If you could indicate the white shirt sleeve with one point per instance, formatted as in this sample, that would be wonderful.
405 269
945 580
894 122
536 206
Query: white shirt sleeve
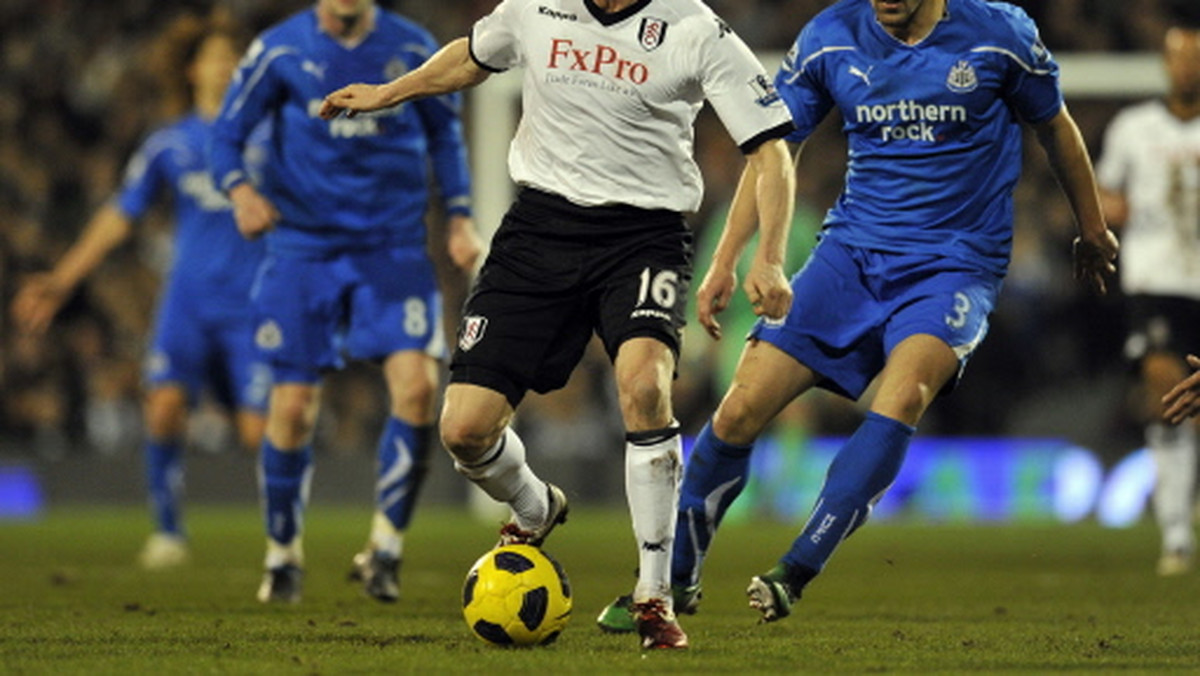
1112 170
495 38
738 87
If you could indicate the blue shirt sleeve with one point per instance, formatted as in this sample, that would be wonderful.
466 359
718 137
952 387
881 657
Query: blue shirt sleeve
1032 85
144 176
799 82
447 151
249 101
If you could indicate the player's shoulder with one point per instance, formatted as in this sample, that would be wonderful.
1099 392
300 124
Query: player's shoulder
692 17
837 24
175 134
290 29
395 24
1001 21
1149 112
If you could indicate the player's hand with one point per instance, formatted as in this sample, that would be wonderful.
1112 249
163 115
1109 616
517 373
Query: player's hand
463 242
1095 258
714 295
1183 401
253 213
353 99
768 290
36 303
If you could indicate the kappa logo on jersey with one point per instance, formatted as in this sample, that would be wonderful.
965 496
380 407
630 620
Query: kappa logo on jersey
764 90
603 60
268 336
472 332
962 78
555 14
651 33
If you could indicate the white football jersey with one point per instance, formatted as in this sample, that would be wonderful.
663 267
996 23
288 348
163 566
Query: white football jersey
609 99
1153 158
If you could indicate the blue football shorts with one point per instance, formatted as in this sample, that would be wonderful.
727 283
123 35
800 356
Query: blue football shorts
852 306
205 342
313 313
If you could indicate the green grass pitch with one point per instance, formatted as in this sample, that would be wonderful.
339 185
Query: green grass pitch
898 597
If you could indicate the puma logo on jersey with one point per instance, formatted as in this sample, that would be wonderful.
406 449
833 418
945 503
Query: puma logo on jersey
864 76
603 60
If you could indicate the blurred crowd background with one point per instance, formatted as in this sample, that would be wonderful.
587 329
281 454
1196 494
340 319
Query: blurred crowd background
78 91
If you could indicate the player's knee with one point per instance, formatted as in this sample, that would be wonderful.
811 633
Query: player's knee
644 399
735 422
166 414
413 400
465 439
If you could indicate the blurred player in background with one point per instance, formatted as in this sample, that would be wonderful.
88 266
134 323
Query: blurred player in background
1150 175
343 206
910 260
596 241
204 327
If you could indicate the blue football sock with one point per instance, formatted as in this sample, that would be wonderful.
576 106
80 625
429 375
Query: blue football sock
284 479
403 462
713 477
164 481
858 476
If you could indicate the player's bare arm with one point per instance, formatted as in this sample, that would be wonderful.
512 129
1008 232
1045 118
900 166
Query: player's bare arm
1183 401
449 70
463 242
254 214
1096 246
41 296
775 195
764 201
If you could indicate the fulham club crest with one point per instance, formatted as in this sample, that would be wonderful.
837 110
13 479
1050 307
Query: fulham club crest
651 33
472 332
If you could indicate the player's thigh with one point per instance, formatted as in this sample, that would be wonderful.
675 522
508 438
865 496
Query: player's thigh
244 375
834 325
947 302
412 379
394 304
299 311
767 379
643 284
180 349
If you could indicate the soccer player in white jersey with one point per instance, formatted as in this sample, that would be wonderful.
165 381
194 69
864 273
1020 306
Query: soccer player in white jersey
911 257
596 241
1150 176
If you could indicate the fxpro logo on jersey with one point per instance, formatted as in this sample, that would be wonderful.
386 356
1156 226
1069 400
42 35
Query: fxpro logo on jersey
603 60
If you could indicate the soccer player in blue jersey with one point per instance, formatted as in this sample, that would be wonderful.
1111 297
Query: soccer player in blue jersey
203 334
910 259
342 205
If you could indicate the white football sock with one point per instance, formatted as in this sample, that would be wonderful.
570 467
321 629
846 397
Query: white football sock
1174 451
653 470
384 536
503 474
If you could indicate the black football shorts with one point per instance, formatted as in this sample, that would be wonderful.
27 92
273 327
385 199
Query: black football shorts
557 273
1162 323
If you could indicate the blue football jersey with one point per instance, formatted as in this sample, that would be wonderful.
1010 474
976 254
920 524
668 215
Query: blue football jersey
211 262
933 128
358 182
